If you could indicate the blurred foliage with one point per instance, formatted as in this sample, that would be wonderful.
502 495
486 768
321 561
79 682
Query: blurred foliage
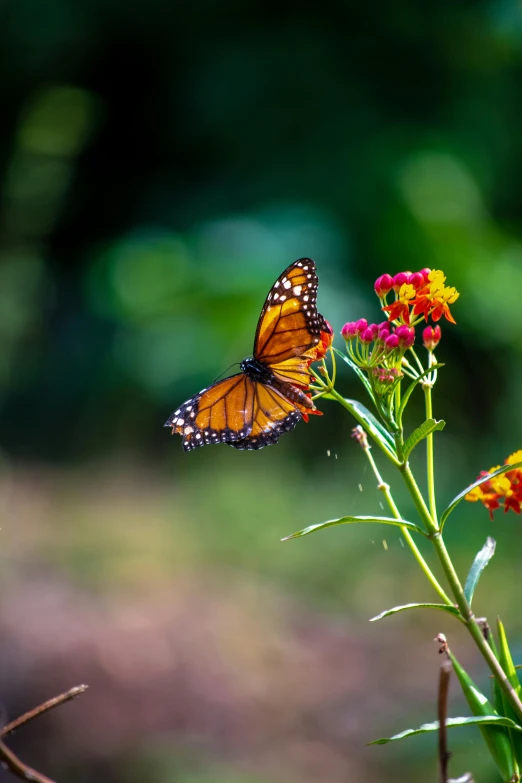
161 163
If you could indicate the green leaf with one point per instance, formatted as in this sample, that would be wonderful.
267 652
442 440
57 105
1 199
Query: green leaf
357 370
497 737
371 424
456 500
506 661
481 720
353 520
430 425
481 560
411 387
443 607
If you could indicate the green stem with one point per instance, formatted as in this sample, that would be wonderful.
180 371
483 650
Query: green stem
429 452
385 489
458 593
474 628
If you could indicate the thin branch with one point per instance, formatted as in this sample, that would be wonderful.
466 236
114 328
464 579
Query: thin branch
442 711
20 769
45 707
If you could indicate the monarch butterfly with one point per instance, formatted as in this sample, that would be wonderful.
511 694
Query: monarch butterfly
268 397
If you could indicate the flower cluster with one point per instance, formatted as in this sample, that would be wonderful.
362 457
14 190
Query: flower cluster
379 349
417 295
504 490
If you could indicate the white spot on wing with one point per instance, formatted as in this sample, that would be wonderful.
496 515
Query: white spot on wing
287 284
297 289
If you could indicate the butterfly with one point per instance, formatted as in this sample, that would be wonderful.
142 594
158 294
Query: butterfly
268 397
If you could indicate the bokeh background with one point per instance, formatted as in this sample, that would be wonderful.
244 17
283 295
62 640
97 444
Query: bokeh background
161 164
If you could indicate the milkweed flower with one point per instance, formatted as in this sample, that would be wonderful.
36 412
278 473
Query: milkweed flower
417 295
434 298
400 309
504 490
431 337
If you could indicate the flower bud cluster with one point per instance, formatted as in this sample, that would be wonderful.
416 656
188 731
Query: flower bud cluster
378 348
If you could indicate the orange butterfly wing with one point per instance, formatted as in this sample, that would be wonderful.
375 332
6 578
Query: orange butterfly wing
273 415
246 412
289 326
219 414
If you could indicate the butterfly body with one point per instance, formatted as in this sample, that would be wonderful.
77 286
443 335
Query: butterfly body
268 397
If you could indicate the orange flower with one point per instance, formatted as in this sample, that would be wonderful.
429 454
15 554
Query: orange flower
434 298
504 490
400 309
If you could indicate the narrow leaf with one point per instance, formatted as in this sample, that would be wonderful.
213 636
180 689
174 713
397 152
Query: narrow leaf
443 607
373 425
481 560
357 370
480 720
456 500
411 387
354 520
497 738
506 661
429 426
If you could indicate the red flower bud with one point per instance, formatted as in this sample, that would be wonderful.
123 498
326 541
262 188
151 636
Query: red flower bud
383 285
361 325
431 337
399 279
406 335
366 336
417 280
391 342
349 330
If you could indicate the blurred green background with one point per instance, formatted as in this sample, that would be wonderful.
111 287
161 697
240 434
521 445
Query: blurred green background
161 164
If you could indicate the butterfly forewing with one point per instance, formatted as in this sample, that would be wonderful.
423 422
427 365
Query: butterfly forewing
220 414
289 324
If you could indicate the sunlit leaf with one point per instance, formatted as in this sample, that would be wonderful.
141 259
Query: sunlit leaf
354 520
443 607
429 426
478 720
481 560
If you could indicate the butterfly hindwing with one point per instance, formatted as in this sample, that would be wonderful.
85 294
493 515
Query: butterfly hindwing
273 414
221 413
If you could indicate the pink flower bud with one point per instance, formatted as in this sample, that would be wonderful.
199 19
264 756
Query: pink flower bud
366 336
383 285
425 273
361 325
349 330
391 342
399 279
375 330
406 336
431 337
417 280
384 330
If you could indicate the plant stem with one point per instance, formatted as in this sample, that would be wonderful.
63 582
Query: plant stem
429 448
473 626
458 593
385 489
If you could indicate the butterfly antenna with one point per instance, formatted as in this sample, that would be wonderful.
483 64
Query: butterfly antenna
236 364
